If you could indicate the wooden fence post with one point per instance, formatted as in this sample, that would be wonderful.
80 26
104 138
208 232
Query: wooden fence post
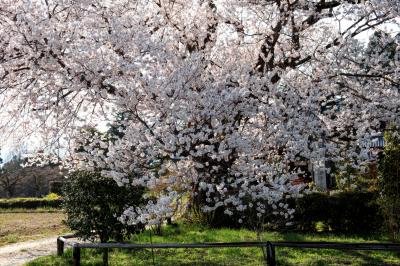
270 254
105 257
76 256
60 247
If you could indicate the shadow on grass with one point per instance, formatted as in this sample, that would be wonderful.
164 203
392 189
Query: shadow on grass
303 256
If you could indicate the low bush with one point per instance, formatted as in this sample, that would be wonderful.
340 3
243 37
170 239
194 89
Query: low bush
351 211
30 203
347 212
93 204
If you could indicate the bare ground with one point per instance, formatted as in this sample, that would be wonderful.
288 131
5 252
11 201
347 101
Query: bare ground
25 236
20 227
20 253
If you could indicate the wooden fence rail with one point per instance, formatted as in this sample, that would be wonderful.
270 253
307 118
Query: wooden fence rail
269 246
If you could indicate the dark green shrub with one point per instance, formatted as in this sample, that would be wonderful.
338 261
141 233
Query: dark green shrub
310 209
93 204
354 212
351 211
29 203
389 182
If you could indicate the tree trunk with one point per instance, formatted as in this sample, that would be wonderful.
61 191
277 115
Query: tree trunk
10 192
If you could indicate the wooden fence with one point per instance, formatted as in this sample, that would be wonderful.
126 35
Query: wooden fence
269 246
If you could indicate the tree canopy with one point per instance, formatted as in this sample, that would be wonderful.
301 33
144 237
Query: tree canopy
222 94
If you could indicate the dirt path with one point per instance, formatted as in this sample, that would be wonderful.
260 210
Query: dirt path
20 253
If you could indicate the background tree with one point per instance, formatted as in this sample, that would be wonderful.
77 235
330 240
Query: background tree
20 180
380 55
11 177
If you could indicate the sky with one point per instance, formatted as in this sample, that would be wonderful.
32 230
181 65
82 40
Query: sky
18 144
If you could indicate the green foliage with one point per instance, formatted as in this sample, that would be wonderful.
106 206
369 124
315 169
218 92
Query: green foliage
93 203
29 203
350 211
389 182
353 179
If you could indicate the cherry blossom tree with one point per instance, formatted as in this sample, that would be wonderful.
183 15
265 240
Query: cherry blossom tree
221 96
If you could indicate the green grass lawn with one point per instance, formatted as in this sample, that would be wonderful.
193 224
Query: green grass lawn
232 256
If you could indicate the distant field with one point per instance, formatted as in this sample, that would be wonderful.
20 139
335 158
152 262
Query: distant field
35 210
19 225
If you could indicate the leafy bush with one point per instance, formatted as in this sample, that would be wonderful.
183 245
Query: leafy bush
389 182
29 203
350 211
93 204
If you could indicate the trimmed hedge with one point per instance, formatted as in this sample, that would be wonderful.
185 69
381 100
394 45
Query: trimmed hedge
29 203
352 212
